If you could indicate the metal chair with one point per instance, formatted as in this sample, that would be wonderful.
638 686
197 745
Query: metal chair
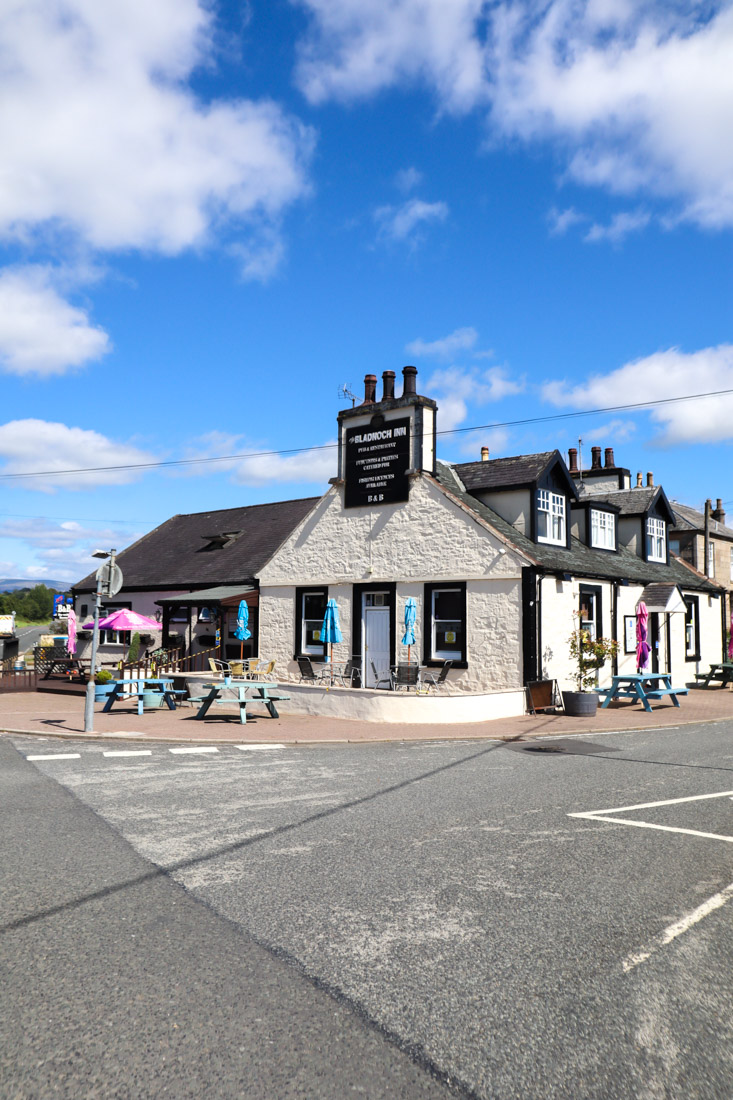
428 680
220 668
348 674
406 676
308 673
384 677
264 672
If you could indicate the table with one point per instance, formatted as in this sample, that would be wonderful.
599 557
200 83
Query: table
265 691
721 673
633 685
68 667
137 686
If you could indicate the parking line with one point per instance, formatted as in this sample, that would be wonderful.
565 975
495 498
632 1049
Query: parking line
128 752
57 756
682 925
258 748
195 749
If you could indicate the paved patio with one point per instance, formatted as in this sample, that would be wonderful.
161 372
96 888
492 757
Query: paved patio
52 715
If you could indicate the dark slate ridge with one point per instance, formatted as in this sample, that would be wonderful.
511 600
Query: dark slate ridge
503 473
689 519
172 555
630 502
580 560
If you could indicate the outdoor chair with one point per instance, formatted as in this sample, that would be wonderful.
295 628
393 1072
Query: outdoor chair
348 674
309 675
220 668
263 672
429 681
406 676
384 677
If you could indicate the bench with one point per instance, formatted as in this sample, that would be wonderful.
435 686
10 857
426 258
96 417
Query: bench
657 693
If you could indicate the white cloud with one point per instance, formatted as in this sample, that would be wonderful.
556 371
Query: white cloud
496 439
35 445
562 220
40 332
637 96
101 135
400 223
60 550
461 339
312 467
619 227
407 179
671 373
456 389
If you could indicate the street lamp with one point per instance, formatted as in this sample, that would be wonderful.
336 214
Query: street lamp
105 575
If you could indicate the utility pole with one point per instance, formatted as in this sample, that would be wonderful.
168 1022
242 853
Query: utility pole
105 586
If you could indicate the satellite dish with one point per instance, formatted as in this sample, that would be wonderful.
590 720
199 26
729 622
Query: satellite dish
109 578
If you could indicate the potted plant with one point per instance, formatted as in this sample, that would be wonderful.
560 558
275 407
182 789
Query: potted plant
104 682
587 655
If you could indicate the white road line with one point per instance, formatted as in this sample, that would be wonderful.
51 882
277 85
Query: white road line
651 825
682 925
57 756
258 748
653 805
128 752
195 748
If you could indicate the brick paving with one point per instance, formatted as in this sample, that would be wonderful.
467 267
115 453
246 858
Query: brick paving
54 715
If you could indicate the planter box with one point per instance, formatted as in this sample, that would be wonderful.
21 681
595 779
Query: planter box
580 704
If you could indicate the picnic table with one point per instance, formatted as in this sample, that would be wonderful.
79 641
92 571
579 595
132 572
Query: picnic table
642 686
139 687
236 691
721 673
67 668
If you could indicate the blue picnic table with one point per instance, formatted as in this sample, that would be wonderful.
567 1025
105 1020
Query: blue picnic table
231 691
138 687
642 686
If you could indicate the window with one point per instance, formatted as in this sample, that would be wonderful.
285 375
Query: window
590 611
114 637
692 629
656 549
550 517
602 529
311 607
731 563
446 638
711 559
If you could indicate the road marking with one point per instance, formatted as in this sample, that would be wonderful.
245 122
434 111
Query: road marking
195 748
128 752
57 756
258 748
682 925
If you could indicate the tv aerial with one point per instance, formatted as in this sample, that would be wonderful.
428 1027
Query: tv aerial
345 394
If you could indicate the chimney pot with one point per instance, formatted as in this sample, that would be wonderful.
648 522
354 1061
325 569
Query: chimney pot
609 463
639 480
650 480
388 377
410 384
370 389
573 460
484 454
595 463
719 513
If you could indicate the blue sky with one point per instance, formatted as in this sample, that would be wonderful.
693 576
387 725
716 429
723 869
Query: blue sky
212 216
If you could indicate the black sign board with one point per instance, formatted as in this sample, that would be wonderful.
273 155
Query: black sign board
377 461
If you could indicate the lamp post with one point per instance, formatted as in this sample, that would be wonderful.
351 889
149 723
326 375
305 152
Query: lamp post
105 576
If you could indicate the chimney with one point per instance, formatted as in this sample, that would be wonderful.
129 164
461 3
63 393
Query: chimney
719 513
485 456
573 460
609 463
370 389
595 462
410 386
388 377
649 480
639 480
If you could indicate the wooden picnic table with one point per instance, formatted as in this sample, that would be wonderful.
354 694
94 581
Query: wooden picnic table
67 668
229 691
634 685
720 673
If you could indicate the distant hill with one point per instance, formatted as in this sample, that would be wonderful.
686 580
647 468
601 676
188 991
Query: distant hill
9 584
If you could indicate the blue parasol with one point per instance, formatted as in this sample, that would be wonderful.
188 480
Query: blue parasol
331 629
242 631
408 637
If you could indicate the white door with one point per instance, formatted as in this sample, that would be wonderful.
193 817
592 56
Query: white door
376 634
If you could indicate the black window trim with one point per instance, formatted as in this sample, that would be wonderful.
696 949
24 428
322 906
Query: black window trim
308 589
690 602
437 662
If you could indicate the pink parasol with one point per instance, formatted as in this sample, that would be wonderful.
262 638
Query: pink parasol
730 639
124 619
71 626
642 646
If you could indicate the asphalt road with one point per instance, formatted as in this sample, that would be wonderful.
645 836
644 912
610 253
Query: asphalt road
377 920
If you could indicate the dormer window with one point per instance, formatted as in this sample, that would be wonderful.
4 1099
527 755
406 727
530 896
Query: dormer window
550 517
220 541
602 529
656 539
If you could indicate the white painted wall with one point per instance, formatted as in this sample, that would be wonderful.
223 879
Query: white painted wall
514 507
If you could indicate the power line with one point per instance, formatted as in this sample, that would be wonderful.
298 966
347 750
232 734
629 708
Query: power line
631 406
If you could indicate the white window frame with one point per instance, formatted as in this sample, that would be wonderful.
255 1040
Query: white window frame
656 539
317 649
731 563
443 654
711 559
553 505
602 529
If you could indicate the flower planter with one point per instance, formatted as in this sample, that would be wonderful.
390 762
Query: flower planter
101 691
152 700
580 704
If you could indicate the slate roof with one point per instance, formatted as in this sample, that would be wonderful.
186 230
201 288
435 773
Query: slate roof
503 473
580 560
689 519
173 555
630 502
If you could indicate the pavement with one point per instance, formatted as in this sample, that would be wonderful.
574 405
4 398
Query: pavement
51 715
